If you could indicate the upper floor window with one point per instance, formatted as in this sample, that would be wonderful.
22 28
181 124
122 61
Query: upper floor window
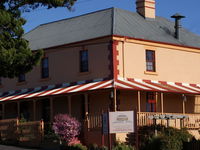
45 68
84 61
150 61
21 78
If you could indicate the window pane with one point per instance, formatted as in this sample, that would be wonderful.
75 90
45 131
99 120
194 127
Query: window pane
84 61
21 78
150 60
45 68
150 56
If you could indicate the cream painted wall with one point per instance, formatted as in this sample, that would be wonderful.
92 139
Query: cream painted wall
128 100
171 64
99 101
60 105
64 66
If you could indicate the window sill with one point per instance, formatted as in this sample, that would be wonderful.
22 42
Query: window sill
84 73
45 79
150 73
21 83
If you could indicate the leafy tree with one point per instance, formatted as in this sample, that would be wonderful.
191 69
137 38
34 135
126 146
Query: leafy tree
15 55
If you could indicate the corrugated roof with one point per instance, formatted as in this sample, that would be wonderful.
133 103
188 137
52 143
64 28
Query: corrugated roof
112 21
71 30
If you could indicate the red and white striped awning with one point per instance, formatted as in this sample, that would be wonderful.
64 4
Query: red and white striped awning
56 89
150 85
120 83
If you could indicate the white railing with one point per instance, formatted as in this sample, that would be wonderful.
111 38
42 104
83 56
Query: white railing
94 121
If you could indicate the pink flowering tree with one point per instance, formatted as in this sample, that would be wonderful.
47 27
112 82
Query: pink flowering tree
67 128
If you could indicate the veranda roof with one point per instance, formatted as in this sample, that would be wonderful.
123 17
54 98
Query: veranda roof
120 83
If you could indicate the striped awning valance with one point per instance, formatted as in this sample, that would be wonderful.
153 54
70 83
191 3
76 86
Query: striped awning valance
120 83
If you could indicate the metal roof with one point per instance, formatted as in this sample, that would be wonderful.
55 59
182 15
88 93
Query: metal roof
112 21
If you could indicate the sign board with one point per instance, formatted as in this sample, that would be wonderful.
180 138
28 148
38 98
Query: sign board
121 122
105 123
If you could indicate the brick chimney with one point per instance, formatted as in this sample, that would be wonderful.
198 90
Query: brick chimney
146 8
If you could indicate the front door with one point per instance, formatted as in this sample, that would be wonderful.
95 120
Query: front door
46 110
151 102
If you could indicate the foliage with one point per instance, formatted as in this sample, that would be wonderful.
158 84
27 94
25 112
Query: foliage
166 139
122 146
75 147
49 134
15 55
66 127
96 147
194 143
22 119
27 5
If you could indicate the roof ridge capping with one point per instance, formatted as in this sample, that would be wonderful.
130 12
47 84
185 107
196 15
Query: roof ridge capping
109 22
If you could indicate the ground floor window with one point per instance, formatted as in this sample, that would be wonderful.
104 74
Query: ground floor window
151 102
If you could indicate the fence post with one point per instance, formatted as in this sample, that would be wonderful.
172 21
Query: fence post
17 130
86 129
42 129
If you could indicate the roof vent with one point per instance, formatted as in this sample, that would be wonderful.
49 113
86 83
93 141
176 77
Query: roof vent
177 26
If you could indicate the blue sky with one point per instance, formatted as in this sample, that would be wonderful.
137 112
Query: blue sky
164 8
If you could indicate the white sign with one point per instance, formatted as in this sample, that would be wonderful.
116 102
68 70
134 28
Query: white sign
121 122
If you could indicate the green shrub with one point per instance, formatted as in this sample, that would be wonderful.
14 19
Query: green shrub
49 134
93 147
103 148
75 147
122 146
166 139
96 147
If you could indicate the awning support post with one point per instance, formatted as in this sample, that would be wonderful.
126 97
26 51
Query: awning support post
51 109
34 110
156 101
3 111
115 99
162 102
184 99
139 102
69 104
183 107
18 109
86 104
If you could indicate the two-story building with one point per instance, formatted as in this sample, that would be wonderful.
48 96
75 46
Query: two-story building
113 59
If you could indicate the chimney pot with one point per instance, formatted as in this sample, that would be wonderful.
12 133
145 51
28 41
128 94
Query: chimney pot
146 8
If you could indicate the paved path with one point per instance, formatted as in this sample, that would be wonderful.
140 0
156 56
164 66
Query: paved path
4 147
